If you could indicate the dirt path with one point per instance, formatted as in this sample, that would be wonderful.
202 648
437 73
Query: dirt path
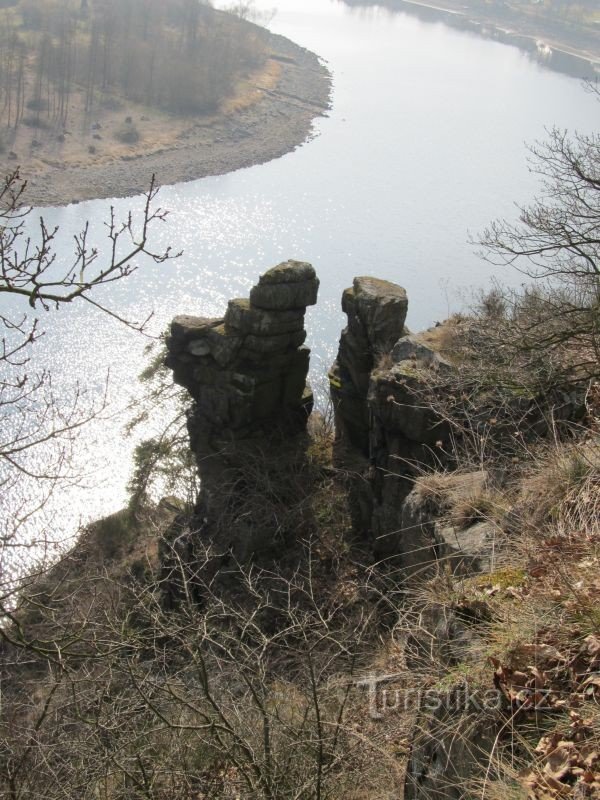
277 123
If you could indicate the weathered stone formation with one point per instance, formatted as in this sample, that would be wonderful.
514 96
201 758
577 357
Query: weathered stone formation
387 437
452 738
451 746
248 370
384 435
246 374
376 312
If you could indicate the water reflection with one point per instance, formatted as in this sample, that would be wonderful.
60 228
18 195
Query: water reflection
559 60
424 143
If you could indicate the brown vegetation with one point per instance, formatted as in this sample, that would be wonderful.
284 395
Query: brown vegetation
75 80
146 665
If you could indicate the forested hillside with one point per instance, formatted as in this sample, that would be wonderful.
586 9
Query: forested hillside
61 61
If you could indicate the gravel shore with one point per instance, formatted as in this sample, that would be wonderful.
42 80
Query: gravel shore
281 121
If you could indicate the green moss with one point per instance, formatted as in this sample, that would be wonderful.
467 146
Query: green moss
511 576
522 392
406 369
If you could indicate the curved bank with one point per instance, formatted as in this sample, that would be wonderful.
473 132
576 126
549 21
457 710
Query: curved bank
277 124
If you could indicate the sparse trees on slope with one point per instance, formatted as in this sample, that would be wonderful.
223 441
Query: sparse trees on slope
34 282
557 243
173 55
251 693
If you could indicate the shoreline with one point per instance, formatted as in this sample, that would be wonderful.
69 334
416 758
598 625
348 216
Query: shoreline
530 35
276 124
282 119
549 45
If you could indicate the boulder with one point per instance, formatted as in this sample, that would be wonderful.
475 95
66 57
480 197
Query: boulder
289 272
410 348
289 286
380 307
468 550
186 328
285 296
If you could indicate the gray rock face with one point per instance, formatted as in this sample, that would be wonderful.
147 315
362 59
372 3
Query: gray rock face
249 369
185 328
407 528
290 286
394 394
246 374
377 310
451 747
289 272
468 550
258 322
375 384
409 348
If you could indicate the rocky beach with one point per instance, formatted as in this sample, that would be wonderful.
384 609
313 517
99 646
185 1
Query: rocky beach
276 123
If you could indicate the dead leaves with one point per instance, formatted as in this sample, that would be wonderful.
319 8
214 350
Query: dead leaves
592 646
547 678
567 764
535 686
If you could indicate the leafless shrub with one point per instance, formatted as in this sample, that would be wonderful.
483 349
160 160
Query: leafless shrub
128 133
35 417
249 692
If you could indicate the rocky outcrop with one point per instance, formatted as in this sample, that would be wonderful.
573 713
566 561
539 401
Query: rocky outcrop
247 371
449 520
247 375
385 437
467 550
376 312
389 437
452 743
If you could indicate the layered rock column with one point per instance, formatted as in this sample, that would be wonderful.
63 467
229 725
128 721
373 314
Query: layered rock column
247 371
247 375
385 436
376 312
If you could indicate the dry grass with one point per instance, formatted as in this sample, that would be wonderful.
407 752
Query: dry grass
463 498
250 89
42 150
529 629
383 362
483 506
446 338
563 490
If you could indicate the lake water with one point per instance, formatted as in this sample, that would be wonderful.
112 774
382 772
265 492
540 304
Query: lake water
425 142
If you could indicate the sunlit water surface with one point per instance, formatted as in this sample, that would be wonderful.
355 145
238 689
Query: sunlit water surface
425 142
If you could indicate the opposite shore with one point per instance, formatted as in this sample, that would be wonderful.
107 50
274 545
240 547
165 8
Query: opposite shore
275 111
275 116
568 48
